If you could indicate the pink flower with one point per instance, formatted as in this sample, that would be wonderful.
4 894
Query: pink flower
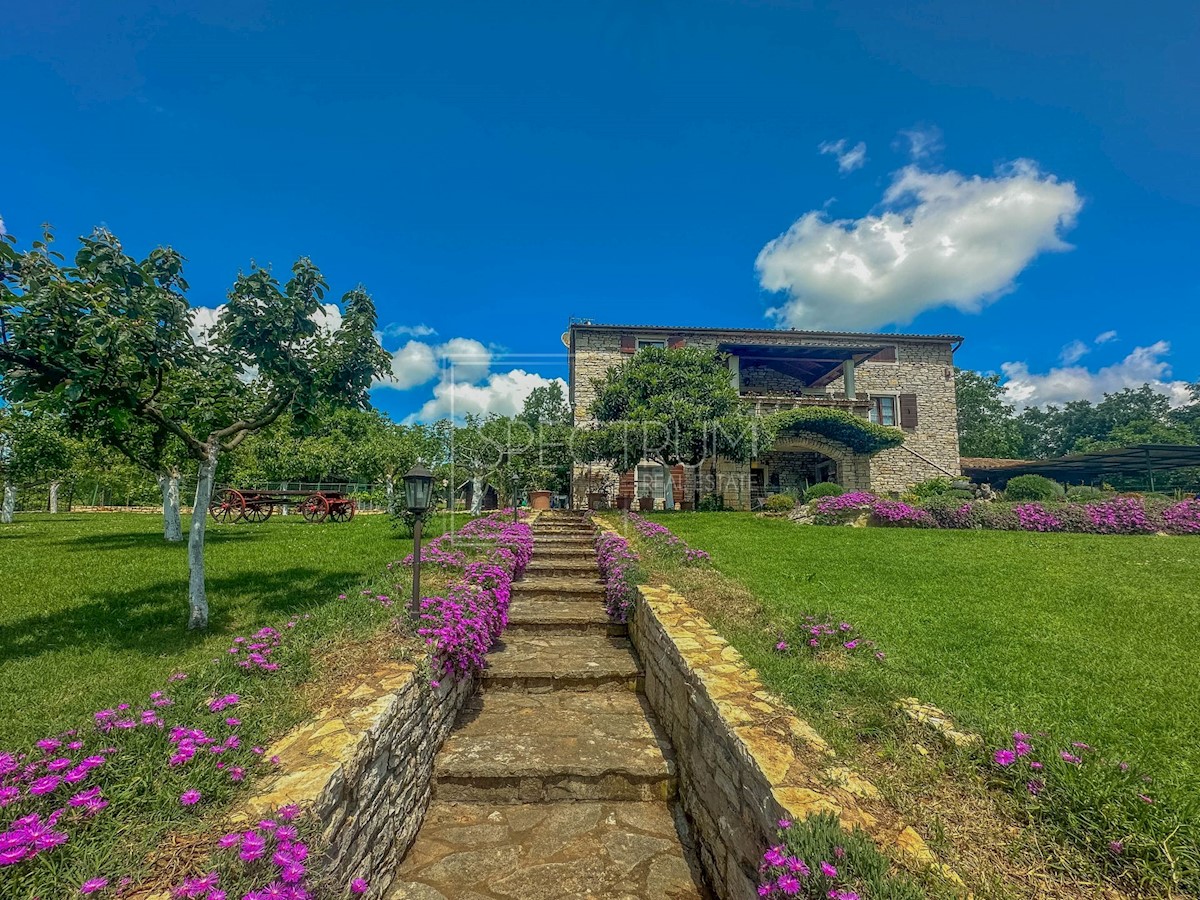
788 884
828 870
189 797
1004 757
1069 757
774 856
784 823
92 885
359 886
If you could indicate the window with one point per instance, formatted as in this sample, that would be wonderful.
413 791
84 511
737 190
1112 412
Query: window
883 410
651 482
651 345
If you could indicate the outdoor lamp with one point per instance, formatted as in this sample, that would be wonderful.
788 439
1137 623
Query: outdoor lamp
418 489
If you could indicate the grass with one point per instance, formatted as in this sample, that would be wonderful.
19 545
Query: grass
93 606
1089 637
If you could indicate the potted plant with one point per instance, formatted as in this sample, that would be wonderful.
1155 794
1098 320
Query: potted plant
624 503
539 495
645 503
597 490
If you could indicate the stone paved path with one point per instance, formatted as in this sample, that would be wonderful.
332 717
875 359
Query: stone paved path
556 781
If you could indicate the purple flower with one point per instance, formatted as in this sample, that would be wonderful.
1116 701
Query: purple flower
359 886
774 856
92 885
828 870
189 797
1004 757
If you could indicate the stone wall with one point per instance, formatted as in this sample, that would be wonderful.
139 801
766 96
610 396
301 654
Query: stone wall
744 759
364 766
923 368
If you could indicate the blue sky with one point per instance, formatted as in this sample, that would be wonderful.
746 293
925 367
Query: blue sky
1027 177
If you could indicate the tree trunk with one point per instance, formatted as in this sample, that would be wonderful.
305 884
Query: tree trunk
390 484
8 504
668 488
168 483
54 497
197 598
478 486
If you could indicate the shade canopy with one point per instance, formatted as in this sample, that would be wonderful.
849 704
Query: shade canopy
1136 459
418 488
813 366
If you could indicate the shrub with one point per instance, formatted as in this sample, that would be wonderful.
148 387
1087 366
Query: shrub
838 425
619 569
1084 492
816 858
1033 487
823 489
930 487
779 503
901 514
663 540
712 503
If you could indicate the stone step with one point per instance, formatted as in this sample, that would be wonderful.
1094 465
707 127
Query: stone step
554 615
576 567
559 587
540 661
565 535
511 747
568 551
542 850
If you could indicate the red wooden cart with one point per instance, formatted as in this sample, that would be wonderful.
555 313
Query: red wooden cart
234 505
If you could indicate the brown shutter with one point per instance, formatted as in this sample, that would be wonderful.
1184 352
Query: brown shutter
908 410
887 354
676 342
677 476
628 343
626 487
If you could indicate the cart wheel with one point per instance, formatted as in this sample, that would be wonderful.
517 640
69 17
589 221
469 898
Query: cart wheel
314 508
342 512
258 511
228 505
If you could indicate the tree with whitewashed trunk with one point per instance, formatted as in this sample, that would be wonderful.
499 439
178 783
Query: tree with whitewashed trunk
33 447
110 337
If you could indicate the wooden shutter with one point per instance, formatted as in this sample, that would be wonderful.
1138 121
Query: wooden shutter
677 482
626 488
628 343
887 354
908 410
676 342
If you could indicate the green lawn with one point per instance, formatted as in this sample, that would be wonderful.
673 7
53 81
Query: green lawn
93 606
1091 637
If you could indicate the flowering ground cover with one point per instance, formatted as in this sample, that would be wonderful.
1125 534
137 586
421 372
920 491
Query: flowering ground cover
1071 651
93 606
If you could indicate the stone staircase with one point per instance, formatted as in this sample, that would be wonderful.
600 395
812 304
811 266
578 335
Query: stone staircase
556 781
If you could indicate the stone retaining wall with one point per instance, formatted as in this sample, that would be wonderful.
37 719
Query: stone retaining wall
364 766
744 759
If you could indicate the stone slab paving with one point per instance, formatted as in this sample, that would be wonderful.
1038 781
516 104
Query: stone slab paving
560 745
540 851
556 782
545 660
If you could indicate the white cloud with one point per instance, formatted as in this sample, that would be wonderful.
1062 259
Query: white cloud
1145 365
923 141
466 359
1105 337
847 160
396 330
502 393
204 320
413 364
3 230
1073 352
944 239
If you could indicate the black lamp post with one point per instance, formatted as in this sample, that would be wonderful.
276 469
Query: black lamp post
516 481
418 490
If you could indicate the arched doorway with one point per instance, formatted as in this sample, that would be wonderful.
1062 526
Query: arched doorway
798 461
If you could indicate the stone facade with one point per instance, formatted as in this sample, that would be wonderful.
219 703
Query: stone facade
744 759
365 768
918 370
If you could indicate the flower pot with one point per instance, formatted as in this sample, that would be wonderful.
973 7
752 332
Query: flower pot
597 500
686 505
623 502
645 503
539 499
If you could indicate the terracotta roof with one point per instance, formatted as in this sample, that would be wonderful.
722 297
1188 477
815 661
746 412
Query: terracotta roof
990 462
873 335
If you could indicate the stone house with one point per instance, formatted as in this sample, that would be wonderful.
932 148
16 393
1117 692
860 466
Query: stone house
901 380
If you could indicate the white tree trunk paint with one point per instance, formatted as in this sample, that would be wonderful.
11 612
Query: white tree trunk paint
9 503
197 598
477 488
54 497
668 488
390 484
168 484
